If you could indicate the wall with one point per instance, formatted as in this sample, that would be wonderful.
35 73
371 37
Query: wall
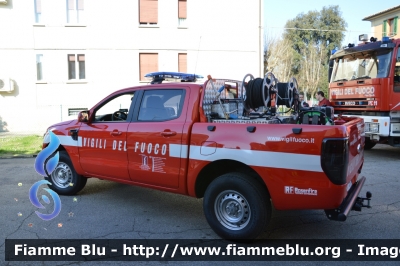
220 39
377 22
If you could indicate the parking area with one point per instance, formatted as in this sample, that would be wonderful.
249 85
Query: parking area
108 210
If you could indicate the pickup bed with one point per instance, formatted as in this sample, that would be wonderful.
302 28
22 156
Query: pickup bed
206 141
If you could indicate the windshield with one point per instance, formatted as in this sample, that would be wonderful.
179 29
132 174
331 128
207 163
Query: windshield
362 65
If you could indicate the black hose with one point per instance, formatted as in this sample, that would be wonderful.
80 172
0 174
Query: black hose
254 93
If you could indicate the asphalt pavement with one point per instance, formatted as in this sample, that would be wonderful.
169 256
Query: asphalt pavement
109 210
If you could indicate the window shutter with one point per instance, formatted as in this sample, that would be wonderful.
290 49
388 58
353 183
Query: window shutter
80 4
71 4
182 63
148 11
384 28
147 63
395 26
38 6
71 66
182 9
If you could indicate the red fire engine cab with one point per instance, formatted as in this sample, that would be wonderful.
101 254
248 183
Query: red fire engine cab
365 82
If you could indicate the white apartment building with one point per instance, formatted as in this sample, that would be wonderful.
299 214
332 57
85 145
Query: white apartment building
61 56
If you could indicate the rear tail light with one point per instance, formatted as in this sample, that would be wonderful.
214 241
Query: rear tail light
335 159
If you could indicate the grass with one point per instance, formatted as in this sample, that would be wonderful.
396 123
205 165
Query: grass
20 145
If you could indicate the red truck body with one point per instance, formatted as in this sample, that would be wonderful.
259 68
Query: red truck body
365 82
294 166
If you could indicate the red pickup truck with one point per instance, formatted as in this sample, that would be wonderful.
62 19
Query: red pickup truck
206 140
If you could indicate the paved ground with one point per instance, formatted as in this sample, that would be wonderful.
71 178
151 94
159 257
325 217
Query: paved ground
107 210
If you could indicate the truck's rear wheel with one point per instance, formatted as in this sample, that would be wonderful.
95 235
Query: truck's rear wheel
64 179
237 207
369 144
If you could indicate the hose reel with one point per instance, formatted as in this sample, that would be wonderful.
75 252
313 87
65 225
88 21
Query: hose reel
269 92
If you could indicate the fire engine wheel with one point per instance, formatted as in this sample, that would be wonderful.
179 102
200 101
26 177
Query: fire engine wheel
369 144
64 179
237 207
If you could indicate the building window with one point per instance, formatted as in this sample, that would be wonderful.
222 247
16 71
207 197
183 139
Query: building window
75 11
38 11
76 66
39 67
182 13
390 27
182 63
148 12
147 63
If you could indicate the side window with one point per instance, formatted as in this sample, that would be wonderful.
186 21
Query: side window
397 67
396 86
115 110
161 105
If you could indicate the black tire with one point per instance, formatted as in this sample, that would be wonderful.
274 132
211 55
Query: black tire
83 183
369 144
237 207
64 179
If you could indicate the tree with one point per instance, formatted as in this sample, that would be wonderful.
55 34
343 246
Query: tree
313 36
311 68
279 58
325 27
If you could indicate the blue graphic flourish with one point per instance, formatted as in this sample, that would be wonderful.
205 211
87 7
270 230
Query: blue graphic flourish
35 201
51 164
46 168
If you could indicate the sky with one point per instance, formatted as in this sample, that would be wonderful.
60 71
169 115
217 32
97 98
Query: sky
277 13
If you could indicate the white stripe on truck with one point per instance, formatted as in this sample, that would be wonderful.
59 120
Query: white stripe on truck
249 157
260 158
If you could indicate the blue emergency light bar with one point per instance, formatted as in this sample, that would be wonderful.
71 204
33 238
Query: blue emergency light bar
158 77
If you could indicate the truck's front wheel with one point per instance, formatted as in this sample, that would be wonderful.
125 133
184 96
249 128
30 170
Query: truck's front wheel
237 207
369 144
64 179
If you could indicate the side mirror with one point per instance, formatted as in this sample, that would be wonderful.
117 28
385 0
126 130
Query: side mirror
83 116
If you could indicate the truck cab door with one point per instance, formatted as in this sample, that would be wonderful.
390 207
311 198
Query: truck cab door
155 138
103 150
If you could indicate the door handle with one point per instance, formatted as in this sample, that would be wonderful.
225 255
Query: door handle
115 133
168 133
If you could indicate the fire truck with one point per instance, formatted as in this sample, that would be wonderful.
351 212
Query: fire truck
365 82
222 140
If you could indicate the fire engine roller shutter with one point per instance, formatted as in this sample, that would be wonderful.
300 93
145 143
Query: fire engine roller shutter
147 63
148 11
